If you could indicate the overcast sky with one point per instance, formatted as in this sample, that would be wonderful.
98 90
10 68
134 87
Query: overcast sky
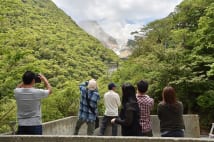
118 17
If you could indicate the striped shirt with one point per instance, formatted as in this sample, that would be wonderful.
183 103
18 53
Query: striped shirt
145 104
85 112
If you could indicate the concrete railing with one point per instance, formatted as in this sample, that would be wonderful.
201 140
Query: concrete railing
52 138
66 126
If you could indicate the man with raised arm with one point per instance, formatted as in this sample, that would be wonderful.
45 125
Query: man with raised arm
28 100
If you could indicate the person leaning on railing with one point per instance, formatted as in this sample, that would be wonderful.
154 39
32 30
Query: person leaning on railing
129 114
170 114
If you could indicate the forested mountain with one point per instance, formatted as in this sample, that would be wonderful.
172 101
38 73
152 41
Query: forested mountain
177 50
36 35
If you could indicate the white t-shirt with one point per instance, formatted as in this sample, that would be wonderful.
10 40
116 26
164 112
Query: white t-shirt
111 102
28 102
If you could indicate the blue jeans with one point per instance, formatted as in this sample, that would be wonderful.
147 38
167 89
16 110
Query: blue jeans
105 121
29 130
174 133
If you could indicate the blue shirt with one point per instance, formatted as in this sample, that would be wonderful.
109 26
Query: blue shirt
85 112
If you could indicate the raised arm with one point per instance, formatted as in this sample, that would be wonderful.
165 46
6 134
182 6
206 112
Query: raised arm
46 83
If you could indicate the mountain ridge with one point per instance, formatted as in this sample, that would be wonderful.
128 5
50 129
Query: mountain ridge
94 29
38 36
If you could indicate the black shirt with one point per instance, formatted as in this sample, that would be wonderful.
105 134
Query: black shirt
129 120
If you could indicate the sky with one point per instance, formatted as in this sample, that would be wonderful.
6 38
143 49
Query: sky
118 18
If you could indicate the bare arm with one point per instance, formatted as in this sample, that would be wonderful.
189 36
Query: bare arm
46 83
20 85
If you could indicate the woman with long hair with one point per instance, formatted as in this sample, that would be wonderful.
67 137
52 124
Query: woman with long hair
170 112
129 114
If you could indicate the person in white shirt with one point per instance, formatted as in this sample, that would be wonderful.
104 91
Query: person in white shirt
112 103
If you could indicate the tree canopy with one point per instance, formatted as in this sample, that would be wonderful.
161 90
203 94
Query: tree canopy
36 35
177 51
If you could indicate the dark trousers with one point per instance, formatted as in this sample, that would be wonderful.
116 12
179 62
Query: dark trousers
29 130
90 129
148 134
175 133
105 121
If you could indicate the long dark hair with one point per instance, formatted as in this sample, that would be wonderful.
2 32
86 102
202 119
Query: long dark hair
128 93
168 95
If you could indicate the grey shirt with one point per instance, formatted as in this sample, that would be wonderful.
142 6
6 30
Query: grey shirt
170 116
28 102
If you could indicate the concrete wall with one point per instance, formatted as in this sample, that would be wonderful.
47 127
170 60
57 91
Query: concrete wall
51 138
66 126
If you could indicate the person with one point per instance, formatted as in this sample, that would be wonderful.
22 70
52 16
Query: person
28 100
170 114
88 90
112 103
129 114
145 104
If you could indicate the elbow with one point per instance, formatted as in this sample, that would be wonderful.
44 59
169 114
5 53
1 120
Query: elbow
50 91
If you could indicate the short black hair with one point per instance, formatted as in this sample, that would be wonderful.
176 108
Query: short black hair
142 86
111 86
28 77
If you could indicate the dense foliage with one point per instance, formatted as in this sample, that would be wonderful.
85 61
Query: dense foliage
179 51
36 35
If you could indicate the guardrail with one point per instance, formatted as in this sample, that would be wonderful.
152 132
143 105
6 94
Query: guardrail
66 126
51 138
